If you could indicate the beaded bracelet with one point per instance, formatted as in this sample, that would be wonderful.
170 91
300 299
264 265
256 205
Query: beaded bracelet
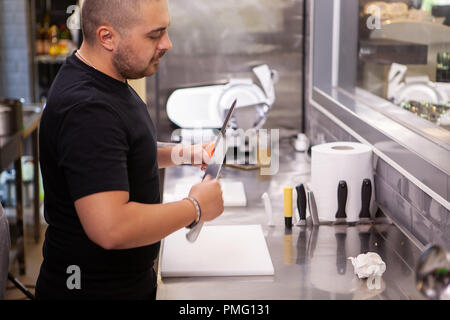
198 209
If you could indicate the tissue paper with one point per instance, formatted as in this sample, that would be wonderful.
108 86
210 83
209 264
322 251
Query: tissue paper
333 162
368 265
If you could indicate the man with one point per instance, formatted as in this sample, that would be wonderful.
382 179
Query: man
99 161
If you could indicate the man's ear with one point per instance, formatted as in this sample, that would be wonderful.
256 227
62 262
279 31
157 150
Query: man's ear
106 36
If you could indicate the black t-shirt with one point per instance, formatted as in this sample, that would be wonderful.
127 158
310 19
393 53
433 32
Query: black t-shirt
96 135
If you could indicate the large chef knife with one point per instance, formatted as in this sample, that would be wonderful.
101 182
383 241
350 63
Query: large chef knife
214 167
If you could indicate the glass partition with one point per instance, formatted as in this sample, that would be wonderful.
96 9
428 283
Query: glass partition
404 56
380 71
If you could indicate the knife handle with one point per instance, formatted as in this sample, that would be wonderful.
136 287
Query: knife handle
342 199
366 195
301 201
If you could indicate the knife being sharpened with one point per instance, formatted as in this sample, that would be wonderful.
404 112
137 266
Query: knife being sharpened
214 167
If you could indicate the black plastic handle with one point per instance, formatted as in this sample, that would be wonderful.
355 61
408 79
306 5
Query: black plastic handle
301 201
366 196
342 199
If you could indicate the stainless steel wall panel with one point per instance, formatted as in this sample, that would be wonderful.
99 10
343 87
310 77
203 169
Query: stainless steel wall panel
214 41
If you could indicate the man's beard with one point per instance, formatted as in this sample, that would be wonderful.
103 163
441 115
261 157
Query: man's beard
123 65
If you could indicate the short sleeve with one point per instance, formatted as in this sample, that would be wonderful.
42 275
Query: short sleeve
92 151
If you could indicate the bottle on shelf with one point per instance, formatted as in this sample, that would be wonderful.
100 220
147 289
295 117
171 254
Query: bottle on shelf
54 47
65 42
44 34
39 40
443 67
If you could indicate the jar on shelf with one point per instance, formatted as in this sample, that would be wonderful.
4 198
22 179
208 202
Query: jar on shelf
443 67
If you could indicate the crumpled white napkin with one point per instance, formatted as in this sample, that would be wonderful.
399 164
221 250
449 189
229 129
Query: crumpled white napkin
368 265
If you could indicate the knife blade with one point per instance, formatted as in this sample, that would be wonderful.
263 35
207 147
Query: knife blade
215 164
213 169
313 209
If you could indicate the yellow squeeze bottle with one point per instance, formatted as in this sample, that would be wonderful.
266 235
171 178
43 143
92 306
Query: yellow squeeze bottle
288 207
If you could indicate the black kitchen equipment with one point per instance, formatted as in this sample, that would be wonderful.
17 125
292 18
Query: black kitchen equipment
301 204
342 193
366 196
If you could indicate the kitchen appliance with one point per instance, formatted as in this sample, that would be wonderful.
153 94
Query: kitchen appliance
204 107
418 88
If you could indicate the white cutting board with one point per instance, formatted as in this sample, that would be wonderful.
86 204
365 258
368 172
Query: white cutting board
219 251
233 192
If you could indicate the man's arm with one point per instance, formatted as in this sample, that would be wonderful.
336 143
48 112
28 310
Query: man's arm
114 223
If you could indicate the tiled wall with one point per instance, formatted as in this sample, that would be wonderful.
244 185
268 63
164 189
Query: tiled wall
14 50
408 206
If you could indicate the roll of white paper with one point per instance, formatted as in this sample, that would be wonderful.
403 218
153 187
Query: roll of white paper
333 162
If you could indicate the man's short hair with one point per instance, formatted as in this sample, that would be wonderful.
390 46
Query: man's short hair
119 14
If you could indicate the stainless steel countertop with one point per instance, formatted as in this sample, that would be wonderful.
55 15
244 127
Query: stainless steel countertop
310 262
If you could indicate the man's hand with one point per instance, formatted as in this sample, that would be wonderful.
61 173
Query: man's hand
200 154
208 193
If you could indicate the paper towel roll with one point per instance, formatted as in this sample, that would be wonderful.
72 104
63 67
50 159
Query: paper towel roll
333 162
